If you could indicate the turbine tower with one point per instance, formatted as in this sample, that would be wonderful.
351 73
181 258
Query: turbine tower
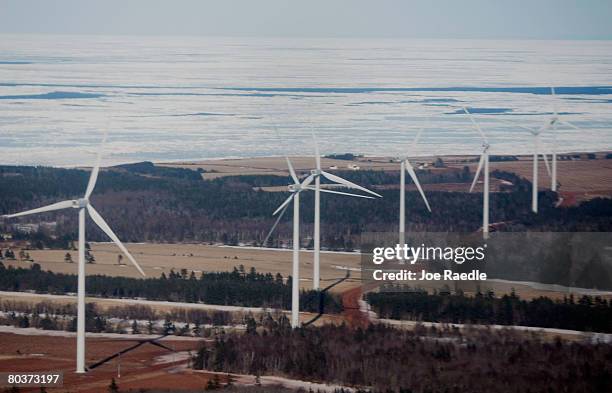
317 173
537 147
83 204
552 123
483 162
406 166
295 189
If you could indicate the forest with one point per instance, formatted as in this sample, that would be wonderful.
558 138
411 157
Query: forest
584 314
236 288
143 202
383 359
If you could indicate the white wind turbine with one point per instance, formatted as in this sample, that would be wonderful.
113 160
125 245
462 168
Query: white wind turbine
483 162
537 152
83 205
317 173
295 189
552 124
406 166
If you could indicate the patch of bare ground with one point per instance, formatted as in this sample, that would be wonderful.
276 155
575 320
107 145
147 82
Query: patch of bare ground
139 368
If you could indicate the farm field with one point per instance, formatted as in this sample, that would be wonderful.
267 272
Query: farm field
580 179
158 258
275 165
589 176
145 367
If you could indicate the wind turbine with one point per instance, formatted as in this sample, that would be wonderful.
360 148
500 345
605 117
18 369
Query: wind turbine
83 204
406 166
537 147
295 189
317 173
552 123
484 161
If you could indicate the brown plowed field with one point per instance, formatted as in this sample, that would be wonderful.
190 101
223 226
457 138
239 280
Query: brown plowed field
145 367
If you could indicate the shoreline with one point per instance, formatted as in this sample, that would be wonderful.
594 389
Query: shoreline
358 158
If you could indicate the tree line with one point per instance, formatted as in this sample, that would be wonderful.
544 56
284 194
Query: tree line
153 204
235 288
585 314
118 319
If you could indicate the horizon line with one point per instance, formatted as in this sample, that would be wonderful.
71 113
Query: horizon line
302 36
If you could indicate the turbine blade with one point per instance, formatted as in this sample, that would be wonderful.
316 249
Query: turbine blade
275 225
570 125
316 148
546 164
545 127
287 201
54 206
413 175
340 193
347 183
93 177
475 124
554 99
292 171
308 180
530 129
417 137
97 218
478 170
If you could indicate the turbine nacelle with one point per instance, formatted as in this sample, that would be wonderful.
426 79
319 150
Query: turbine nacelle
80 203
295 188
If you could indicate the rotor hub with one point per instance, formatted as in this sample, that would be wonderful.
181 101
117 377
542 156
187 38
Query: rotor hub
294 188
316 172
80 203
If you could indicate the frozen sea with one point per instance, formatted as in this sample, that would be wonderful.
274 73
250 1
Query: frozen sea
188 98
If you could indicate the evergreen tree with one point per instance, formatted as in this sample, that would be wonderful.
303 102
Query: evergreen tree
169 327
197 331
113 387
24 322
89 258
251 325
150 327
